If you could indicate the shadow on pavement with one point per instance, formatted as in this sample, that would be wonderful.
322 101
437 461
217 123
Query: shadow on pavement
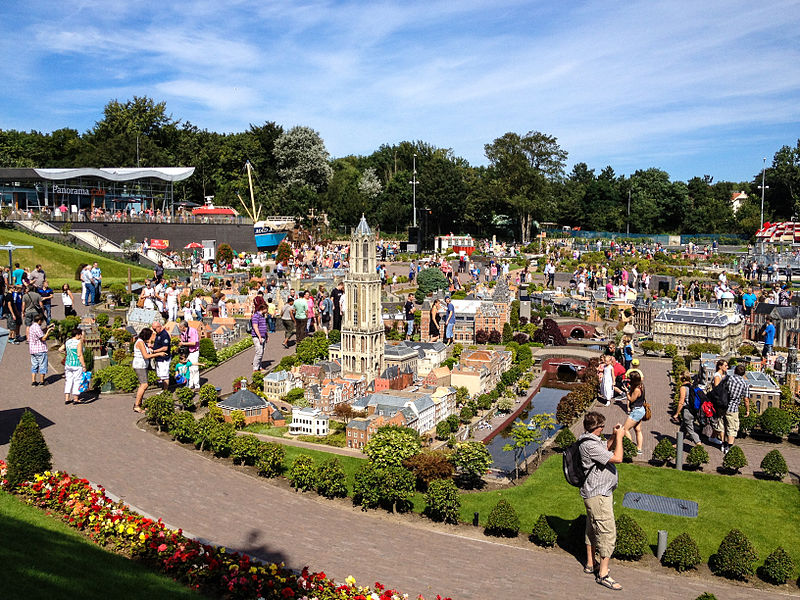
10 417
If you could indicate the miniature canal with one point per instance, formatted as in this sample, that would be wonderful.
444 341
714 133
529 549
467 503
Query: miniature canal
544 401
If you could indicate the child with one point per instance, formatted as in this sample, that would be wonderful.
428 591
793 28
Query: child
182 367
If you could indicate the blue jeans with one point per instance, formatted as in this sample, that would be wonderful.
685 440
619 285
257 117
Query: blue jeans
47 311
96 298
410 328
89 299
271 324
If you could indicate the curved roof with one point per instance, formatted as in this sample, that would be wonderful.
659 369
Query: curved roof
109 174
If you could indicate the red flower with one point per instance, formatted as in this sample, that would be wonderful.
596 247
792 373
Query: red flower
287 593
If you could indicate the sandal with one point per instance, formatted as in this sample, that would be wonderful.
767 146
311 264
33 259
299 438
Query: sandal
607 582
590 570
138 409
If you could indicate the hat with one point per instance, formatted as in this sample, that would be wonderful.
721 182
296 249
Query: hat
447 297
635 362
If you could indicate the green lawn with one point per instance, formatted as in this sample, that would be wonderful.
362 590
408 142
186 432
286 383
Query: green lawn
349 463
766 511
266 429
60 262
44 559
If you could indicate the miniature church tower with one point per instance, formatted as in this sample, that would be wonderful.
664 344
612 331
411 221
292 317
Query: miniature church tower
362 322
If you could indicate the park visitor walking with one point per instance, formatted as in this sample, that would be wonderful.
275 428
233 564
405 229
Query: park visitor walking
74 366
258 325
38 349
141 359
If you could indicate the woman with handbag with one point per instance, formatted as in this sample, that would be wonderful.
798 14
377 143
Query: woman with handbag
141 362
74 366
68 301
638 410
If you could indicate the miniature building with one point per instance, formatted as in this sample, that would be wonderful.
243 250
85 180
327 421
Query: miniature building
363 339
764 392
429 355
139 318
91 336
255 408
685 326
785 318
309 421
400 356
438 377
279 383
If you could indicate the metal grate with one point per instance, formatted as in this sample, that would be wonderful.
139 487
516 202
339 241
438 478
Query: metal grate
660 504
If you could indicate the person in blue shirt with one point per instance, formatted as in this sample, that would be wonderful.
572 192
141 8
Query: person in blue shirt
748 302
449 321
46 292
17 274
769 337
97 279
627 352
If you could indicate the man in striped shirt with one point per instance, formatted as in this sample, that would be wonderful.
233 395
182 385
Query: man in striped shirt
728 424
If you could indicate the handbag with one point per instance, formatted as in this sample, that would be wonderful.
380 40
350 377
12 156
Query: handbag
647 412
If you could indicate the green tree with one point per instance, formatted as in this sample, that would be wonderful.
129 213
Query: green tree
472 459
429 281
525 434
28 453
302 159
313 348
391 445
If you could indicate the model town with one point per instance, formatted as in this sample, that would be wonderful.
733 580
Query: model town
443 377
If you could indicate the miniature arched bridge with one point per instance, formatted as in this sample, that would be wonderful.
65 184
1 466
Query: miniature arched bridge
553 359
578 330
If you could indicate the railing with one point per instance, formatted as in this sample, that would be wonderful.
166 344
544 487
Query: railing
126 218
100 239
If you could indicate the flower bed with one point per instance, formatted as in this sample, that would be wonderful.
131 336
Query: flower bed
201 566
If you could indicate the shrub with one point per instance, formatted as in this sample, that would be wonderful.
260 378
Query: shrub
215 412
565 438
208 354
543 534
208 393
331 479
706 596
671 350
238 419
122 377
185 396
682 553
302 473
430 465
663 451
467 414
102 319
736 556
28 453
245 449
270 459
220 439
495 337
775 421
695 350
778 567
774 465
160 410
202 431
183 427
697 456
443 501
747 423
503 521
747 350
631 539
629 450
390 487
734 459
367 486
649 346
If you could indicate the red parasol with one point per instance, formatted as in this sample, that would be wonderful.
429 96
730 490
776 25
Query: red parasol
193 245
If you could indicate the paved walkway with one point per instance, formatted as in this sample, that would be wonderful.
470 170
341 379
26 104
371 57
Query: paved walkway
214 501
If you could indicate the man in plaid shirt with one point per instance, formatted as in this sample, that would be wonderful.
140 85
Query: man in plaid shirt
738 390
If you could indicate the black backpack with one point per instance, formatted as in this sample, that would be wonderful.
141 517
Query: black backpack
719 396
573 465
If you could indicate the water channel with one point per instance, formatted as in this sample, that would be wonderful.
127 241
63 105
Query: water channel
544 401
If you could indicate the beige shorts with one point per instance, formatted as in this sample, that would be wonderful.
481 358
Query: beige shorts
728 424
601 529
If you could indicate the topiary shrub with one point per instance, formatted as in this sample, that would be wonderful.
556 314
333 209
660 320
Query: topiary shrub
367 486
503 521
303 473
185 396
631 539
774 465
747 423
706 596
565 438
736 556
270 459
331 479
629 450
184 427
775 421
208 354
220 439
778 567
734 459
542 534
238 419
28 453
208 393
245 449
160 410
663 451
682 553
698 456
443 501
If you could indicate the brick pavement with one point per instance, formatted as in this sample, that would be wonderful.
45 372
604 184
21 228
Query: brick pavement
212 500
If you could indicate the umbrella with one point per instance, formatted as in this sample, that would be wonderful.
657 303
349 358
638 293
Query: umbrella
193 245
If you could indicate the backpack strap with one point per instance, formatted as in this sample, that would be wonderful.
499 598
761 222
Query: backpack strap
594 463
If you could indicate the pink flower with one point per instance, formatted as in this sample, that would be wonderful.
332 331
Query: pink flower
162 547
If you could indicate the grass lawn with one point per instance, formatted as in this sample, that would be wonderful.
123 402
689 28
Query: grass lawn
43 559
60 262
266 429
349 463
766 511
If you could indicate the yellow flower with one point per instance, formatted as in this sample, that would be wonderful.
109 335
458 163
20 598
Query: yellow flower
142 536
350 580
131 531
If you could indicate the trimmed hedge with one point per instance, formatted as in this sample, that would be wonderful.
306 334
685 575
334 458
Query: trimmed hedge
303 473
503 521
698 456
735 558
631 539
443 501
543 534
565 438
663 451
682 553
774 465
28 453
734 459
778 567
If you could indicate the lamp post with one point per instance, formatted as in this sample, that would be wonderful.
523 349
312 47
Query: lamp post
763 188
413 182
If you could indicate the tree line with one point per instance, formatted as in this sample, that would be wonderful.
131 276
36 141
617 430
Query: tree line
524 185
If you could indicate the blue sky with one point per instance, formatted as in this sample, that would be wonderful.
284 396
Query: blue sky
694 88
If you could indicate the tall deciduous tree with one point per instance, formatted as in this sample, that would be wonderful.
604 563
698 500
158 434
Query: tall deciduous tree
302 159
